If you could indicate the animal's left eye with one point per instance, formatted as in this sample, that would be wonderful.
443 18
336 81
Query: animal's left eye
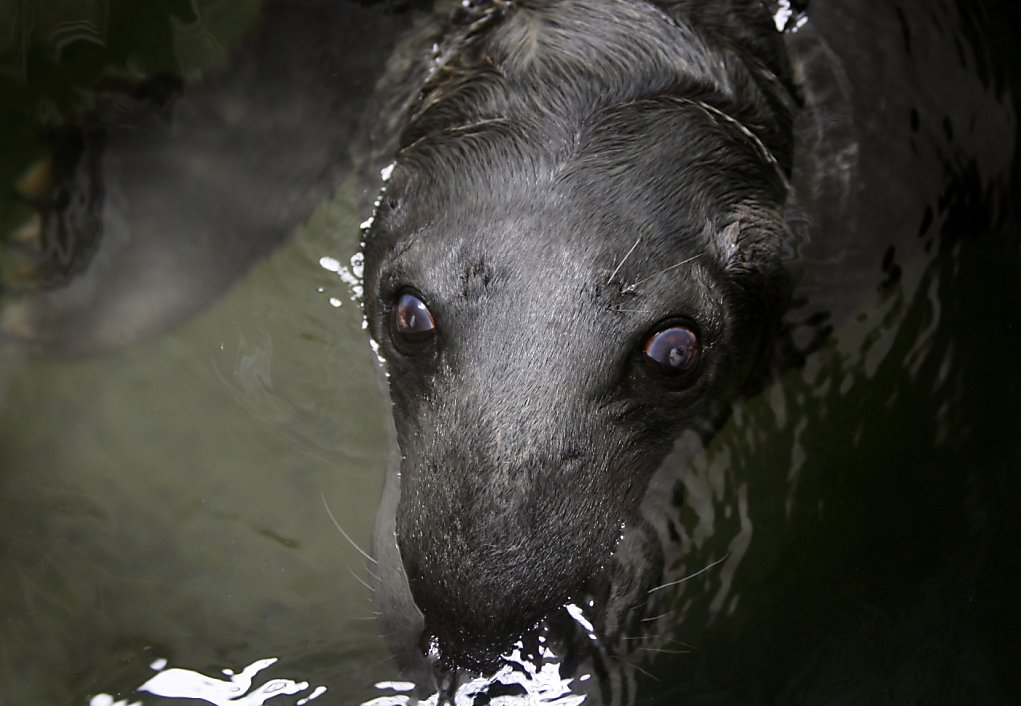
674 350
413 322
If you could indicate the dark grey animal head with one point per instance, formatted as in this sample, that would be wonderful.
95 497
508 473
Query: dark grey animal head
576 258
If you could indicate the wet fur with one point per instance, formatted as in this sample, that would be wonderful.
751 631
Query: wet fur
568 177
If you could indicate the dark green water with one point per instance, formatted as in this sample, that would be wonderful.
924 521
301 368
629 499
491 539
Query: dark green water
168 501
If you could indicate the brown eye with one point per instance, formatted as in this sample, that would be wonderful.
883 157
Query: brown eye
673 350
412 321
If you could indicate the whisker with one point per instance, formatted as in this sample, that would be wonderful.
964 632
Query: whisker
360 580
623 260
632 287
657 617
383 660
662 651
691 576
634 666
345 534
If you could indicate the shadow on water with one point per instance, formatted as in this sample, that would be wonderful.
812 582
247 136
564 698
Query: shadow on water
848 537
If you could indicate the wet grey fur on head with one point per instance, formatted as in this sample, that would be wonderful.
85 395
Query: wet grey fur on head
570 178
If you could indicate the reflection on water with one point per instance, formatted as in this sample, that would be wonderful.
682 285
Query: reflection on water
520 680
236 690
520 677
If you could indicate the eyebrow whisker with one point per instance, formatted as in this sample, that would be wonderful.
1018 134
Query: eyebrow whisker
623 260
692 575
632 287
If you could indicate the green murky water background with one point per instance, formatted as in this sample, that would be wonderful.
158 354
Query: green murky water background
170 500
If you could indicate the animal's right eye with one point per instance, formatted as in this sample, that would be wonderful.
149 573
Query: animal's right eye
412 320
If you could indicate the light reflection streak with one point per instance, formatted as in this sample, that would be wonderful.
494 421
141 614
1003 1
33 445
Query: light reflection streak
236 690
542 685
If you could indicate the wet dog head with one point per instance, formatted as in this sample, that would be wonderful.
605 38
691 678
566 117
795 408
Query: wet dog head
576 258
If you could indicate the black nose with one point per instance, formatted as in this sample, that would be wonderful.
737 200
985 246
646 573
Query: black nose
451 649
